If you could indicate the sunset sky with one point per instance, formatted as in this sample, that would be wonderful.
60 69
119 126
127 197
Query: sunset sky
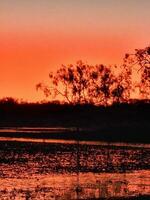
37 36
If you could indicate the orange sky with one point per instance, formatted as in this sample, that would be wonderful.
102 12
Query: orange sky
36 38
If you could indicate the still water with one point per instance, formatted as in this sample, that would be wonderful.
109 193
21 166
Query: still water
59 169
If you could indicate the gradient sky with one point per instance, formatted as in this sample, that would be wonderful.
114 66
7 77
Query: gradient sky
37 36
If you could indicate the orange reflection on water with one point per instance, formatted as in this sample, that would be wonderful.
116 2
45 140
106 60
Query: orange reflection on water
50 170
63 186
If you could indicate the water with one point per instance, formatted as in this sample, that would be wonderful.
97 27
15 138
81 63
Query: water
60 169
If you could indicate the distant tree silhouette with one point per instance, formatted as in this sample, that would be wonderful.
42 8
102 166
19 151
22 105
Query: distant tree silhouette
102 80
123 84
71 82
83 83
141 59
8 101
99 84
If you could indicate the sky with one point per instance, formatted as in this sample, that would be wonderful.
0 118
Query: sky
36 37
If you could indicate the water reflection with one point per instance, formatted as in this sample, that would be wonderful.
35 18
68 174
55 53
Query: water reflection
35 129
36 170
61 141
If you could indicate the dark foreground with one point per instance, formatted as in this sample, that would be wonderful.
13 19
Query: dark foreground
117 123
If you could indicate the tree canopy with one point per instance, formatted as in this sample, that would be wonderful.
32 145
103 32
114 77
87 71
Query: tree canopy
99 84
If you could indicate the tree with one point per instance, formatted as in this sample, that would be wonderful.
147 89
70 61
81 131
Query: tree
122 84
102 80
98 84
8 101
83 83
71 82
141 59
80 83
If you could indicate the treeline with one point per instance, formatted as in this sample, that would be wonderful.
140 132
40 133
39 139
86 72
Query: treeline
14 113
100 84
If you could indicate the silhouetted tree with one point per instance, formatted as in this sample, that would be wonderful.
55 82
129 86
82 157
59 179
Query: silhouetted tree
123 84
141 59
102 80
98 84
83 83
71 82
8 101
